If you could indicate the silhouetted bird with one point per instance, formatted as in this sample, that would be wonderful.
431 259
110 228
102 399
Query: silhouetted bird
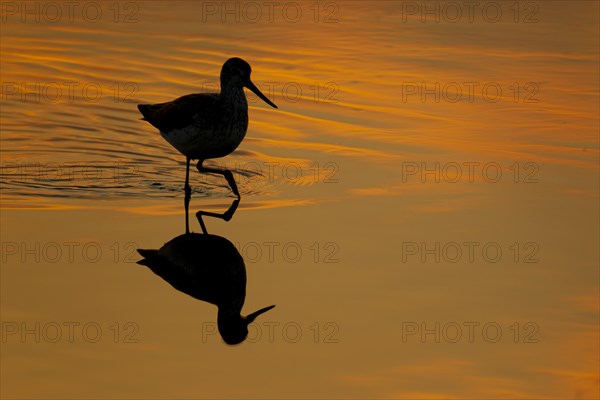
208 268
207 125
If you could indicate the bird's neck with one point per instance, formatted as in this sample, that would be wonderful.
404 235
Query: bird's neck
233 94
226 314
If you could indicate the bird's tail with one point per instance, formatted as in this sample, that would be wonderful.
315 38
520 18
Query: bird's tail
147 254
144 110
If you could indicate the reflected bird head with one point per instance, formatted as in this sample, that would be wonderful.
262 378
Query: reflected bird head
234 329
236 72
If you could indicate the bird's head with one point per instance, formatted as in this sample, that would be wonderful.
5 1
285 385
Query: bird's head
234 329
236 72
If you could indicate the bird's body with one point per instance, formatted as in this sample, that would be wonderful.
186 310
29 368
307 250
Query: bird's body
205 267
208 268
204 125
207 125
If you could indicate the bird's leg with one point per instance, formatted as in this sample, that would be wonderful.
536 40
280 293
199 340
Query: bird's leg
225 172
199 216
226 216
188 195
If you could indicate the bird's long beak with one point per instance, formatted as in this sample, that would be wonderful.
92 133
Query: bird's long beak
257 92
255 314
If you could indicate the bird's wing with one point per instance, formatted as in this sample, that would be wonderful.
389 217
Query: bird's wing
206 267
181 278
180 112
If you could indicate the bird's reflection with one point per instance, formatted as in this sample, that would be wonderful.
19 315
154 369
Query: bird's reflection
208 268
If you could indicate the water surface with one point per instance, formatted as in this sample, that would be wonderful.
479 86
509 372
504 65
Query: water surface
422 208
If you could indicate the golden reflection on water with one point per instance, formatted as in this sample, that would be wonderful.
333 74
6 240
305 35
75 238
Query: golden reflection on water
390 135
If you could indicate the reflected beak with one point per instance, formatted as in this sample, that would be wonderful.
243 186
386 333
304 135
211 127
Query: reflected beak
255 314
257 92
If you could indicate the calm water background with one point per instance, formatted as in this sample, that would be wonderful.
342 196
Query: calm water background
422 208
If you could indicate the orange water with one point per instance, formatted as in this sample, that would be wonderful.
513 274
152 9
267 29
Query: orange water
404 155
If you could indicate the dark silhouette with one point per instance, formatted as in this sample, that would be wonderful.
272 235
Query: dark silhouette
208 268
207 125
226 216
